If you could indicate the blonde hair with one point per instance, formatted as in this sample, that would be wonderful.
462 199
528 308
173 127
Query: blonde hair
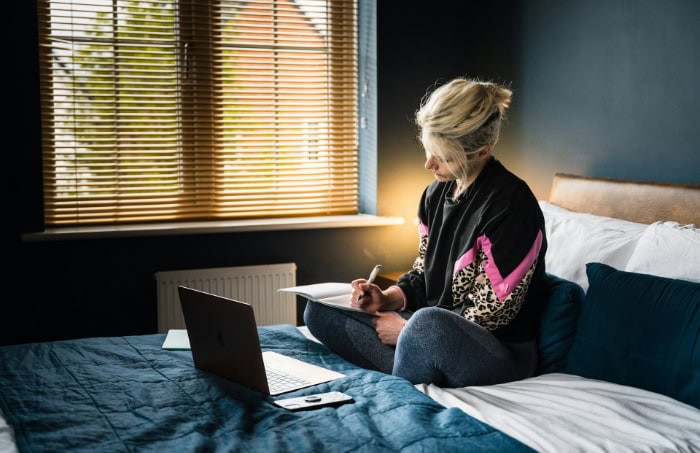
462 117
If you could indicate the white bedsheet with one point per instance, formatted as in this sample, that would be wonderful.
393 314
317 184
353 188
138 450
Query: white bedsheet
567 413
7 438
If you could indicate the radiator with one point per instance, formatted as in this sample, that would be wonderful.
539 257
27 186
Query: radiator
256 285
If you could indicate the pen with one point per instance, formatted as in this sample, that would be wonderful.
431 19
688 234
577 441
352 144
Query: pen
371 278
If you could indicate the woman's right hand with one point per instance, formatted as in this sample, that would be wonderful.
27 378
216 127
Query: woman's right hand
366 296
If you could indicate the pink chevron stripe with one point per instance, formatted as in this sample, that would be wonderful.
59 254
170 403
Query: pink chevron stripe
422 229
502 286
466 259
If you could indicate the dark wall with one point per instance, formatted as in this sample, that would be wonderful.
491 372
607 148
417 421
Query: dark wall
608 88
601 88
419 47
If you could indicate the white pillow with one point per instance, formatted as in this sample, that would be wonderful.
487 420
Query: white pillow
575 239
668 249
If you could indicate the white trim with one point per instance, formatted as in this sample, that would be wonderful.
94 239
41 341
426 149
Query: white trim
231 226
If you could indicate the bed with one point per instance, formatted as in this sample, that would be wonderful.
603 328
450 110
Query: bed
643 394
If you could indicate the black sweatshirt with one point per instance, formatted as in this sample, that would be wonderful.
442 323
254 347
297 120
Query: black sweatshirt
481 255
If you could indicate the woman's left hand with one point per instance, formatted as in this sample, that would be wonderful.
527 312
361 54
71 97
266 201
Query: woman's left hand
388 325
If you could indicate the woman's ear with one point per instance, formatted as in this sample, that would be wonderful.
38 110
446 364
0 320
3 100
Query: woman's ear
485 152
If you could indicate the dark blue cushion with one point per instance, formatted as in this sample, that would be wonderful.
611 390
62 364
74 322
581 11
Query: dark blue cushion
639 330
558 325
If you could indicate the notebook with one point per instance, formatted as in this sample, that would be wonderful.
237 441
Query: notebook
224 341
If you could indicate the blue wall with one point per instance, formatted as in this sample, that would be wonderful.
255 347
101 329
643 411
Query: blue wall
608 88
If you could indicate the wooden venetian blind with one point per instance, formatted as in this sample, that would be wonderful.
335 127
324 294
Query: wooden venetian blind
196 110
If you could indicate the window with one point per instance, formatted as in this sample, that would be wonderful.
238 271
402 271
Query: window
198 110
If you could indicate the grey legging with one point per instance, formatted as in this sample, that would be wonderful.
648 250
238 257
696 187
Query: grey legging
436 346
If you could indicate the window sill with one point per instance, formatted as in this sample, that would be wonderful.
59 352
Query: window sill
231 226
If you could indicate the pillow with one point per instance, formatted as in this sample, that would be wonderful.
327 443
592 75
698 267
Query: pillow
668 249
575 239
639 330
558 323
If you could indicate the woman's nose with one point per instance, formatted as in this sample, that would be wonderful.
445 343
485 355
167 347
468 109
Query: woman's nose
430 163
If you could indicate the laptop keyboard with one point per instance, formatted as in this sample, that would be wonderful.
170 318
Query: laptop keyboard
279 382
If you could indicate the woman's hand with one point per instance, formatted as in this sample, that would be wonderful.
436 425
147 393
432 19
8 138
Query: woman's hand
367 296
388 325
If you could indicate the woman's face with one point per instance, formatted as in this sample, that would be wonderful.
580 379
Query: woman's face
446 169
443 170
440 159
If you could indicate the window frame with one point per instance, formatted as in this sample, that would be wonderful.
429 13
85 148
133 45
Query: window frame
367 169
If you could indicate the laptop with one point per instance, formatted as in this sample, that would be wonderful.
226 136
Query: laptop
224 341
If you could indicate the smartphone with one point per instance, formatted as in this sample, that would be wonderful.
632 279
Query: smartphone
314 401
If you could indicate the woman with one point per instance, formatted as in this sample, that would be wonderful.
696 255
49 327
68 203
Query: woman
468 311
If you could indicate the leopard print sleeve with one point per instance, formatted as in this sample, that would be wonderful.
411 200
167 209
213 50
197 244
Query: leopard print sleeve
491 300
419 263
486 309
412 283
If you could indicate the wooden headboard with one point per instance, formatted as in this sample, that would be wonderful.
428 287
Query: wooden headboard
637 201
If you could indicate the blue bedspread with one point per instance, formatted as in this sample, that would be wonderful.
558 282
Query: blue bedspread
128 394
